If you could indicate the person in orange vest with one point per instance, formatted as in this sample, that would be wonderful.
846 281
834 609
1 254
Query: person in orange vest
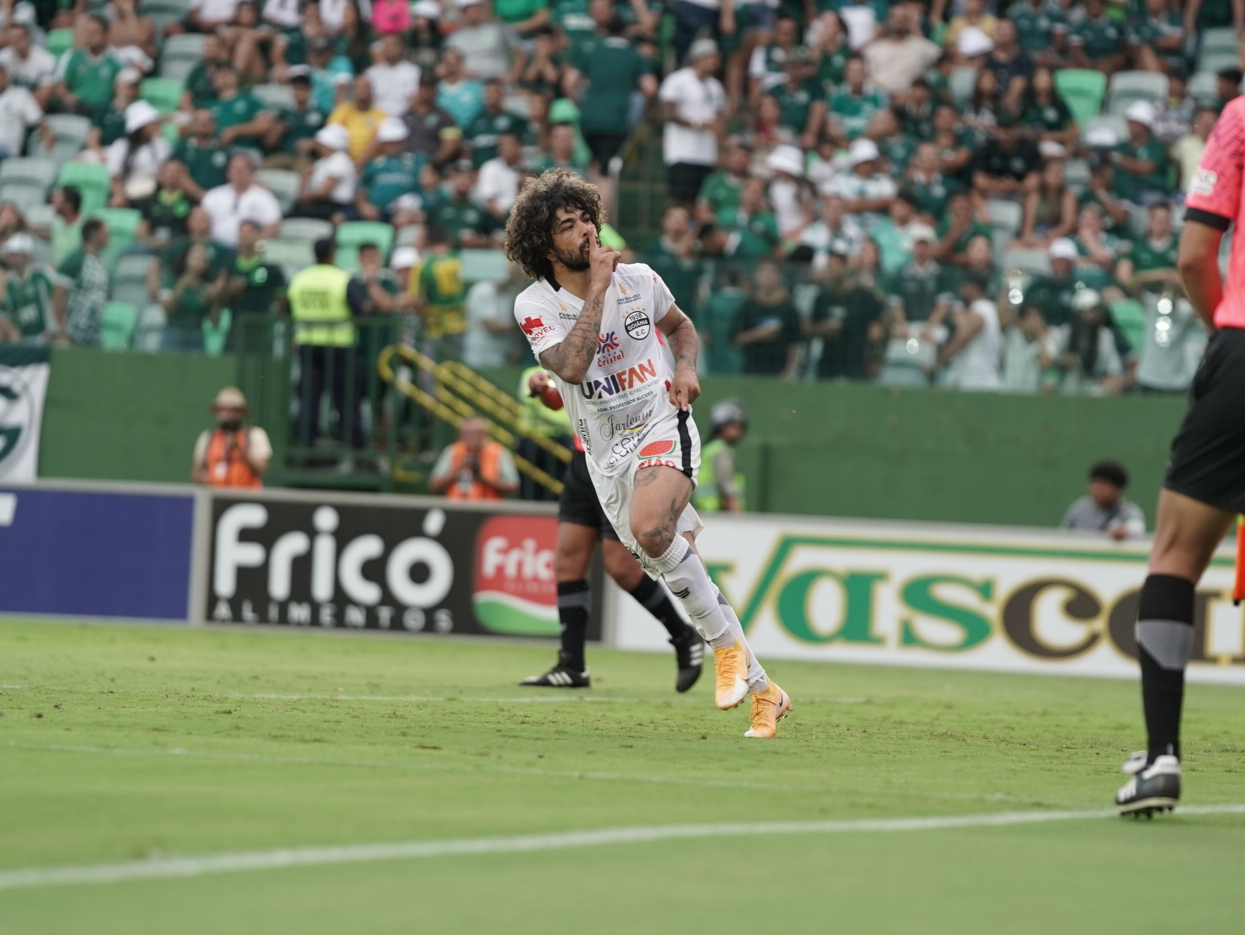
474 468
233 454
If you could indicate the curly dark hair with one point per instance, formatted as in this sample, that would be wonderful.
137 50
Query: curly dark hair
529 231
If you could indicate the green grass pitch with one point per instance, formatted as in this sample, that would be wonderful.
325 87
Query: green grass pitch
123 743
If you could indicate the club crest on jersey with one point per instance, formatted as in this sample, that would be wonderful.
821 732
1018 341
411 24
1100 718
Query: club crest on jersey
609 351
637 324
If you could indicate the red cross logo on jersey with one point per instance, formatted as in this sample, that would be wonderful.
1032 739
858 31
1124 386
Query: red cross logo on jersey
531 324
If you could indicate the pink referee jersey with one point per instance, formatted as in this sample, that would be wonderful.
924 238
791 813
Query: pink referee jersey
1215 199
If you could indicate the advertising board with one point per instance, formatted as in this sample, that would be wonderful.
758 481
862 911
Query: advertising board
415 565
96 553
994 598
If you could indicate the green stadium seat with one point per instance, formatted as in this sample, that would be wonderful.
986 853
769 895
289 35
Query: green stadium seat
90 179
295 254
120 319
129 280
283 184
214 336
961 83
122 227
484 265
1113 122
1204 88
1129 316
274 96
1126 87
150 328
1220 39
1082 89
165 94
355 233
308 229
59 41
1216 60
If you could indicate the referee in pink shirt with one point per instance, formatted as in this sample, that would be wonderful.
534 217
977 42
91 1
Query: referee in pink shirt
1205 485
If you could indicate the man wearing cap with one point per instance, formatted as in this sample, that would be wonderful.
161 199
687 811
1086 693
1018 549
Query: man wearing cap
900 54
33 307
329 186
391 175
87 279
1141 161
432 131
868 193
85 73
241 198
801 101
19 111
393 78
361 117
233 454
693 108
720 487
291 141
484 42
1053 294
1008 165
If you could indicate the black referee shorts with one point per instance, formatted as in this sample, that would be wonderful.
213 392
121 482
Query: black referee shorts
1208 452
579 503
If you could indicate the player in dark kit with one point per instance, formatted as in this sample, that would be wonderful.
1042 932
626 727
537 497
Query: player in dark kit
1205 485
582 524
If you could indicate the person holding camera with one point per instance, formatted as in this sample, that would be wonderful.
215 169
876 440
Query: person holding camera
474 468
233 454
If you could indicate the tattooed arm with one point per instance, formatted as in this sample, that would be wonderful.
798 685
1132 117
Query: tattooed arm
684 345
571 358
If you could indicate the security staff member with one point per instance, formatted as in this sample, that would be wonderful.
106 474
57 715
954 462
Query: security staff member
323 302
721 487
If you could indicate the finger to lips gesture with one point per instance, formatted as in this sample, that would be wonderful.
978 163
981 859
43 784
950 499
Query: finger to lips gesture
602 259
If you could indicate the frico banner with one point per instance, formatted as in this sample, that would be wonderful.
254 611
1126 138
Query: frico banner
23 388
411 564
1006 599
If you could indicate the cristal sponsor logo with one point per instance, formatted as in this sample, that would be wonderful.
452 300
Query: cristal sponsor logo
17 417
609 350
619 382
345 577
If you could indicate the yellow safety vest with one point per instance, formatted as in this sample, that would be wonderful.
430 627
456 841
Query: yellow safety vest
317 298
707 497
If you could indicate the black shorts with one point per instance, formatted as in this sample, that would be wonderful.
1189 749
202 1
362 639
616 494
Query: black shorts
579 503
685 178
604 147
1208 452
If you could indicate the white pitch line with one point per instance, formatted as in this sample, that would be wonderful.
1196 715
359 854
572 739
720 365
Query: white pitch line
157 868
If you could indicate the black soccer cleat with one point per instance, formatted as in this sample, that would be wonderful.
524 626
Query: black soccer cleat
561 675
689 654
1152 788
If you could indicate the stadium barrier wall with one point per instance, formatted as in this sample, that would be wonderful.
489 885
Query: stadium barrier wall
950 596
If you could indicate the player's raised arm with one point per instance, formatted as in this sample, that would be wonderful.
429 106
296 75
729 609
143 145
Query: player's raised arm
685 346
571 358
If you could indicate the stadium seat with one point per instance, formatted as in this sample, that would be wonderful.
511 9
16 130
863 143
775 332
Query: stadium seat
296 254
408 236
214 335
150 327
90 179
165 94
41 217
906 361
120 319
122 226
43 250
1216 60
1127 87
59 41
23 193
355 233
34 171
274 96
1083 90
179 55
1204 88
1005 215
1129 317
1076 173
129 281
1027 260
1221 39
518 104
283 183
1113 122
961 84
70 132
308 229
482 265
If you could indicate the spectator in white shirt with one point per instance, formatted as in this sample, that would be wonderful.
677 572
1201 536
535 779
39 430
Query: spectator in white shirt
207 16
28 65
394 79
974 355
899 55
491 330
135 159
241 199
693 108
19 111
498 183
483 42
329 186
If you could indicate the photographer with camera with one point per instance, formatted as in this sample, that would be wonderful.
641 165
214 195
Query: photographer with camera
474 468
233 454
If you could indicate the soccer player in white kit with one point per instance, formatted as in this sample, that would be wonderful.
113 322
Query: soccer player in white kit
593 323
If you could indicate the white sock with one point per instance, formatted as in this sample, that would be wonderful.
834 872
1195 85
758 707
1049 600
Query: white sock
691 585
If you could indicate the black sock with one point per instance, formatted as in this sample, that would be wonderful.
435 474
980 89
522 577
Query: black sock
656 600
574 600
1164 640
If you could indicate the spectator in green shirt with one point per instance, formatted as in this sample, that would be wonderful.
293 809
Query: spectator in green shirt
240 117
255 288
86 74
166 209
723 189
1096 40
524 17
481 134
1141 162
1149 264
800 102
200 87
851 107
203 154
87 279
393 174
290 143
33 305
109 120
465 222
193 298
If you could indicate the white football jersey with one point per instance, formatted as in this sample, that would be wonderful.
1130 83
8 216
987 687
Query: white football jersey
626 390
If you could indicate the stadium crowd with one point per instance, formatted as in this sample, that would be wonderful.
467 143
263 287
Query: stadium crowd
976 194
